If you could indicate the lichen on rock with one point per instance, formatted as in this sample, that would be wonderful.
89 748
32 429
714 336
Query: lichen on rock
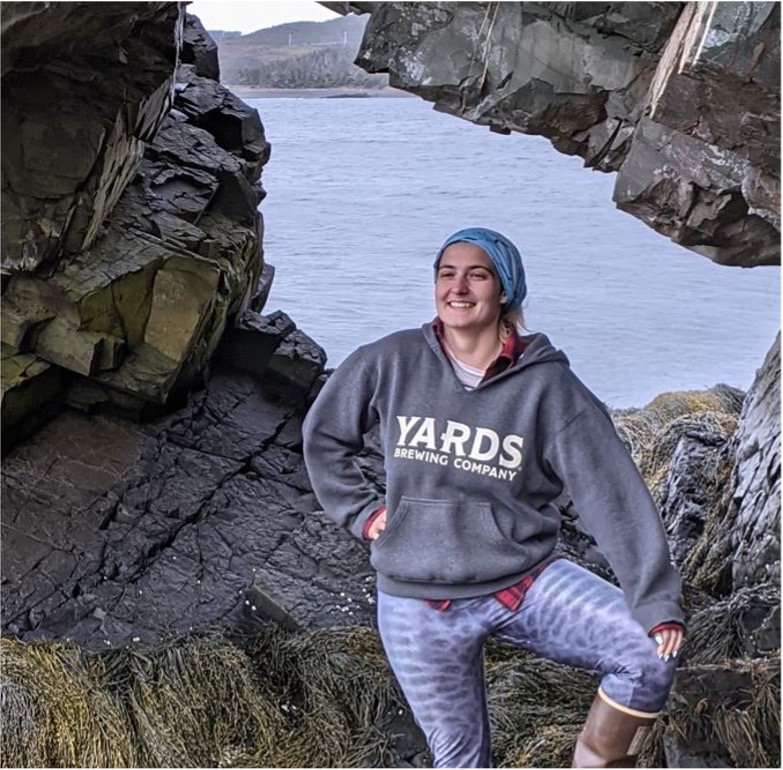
153 244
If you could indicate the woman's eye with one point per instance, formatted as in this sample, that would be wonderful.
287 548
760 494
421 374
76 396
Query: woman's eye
479 276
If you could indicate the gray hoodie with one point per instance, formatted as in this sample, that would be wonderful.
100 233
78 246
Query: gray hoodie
472 476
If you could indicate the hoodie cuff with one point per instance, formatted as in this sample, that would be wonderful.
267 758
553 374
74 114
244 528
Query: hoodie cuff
649 615
356 527
367 524
669 625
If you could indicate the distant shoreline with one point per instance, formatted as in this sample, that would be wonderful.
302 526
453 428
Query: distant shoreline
257 92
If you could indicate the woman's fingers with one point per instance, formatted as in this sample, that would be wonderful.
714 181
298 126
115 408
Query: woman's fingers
377 526
669 643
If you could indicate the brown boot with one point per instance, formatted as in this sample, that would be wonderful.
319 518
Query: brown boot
612 736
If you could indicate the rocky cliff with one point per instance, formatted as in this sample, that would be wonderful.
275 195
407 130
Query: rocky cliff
682 100
164 504
131 235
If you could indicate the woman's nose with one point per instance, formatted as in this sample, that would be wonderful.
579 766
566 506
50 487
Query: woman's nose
460 284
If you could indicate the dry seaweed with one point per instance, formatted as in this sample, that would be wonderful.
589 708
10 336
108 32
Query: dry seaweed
717 632
536 709
653 433
191 702
745 724
320 699
56 713
335 689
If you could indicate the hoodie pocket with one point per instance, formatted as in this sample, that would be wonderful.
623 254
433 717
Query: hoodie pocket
444 541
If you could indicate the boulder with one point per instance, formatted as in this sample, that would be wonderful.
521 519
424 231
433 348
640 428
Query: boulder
261 294
199 49
235 127
295 367
250 344
32 392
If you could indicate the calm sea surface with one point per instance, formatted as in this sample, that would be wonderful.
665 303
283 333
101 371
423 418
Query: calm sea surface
361 192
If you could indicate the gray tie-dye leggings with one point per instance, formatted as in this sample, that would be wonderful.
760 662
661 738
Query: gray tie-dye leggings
569 615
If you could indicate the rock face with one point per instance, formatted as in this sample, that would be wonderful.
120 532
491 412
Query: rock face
203 519
756 482
131 235
682 100
74 134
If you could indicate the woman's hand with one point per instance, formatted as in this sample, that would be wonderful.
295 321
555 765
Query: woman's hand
377 526
669 642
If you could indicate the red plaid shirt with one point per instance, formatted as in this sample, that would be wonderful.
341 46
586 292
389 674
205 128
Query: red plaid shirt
513 348
512 597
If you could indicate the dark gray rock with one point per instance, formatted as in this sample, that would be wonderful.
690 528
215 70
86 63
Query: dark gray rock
250 344
236 127
693 131
295 367
75 121
704 208
756 534
185 162
647 25
186 517
199 49
261 294
36 30
688 494
32 391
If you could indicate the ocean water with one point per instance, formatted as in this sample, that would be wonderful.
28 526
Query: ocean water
361 192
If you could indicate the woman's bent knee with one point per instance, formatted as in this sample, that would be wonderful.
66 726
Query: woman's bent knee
641 683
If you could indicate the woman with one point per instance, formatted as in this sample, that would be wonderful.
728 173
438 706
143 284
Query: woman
482 430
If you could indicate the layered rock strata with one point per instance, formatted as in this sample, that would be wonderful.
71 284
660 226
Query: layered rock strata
682 100
131 236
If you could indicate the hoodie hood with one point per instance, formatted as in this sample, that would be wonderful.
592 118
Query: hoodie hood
539 350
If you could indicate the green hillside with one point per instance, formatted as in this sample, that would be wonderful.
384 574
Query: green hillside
303 54
331 32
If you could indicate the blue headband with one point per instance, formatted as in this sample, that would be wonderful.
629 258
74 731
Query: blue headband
504 255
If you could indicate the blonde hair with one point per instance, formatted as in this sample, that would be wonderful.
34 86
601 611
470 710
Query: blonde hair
515 318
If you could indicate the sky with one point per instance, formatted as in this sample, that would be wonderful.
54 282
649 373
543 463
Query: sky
247 16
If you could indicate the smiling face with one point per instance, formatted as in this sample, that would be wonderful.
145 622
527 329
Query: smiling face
467 289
